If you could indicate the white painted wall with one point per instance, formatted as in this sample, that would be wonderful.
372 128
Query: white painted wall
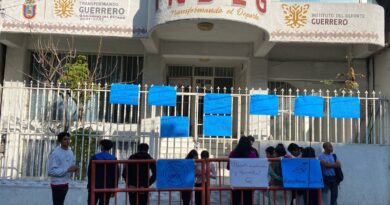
313 71
382 72
366 179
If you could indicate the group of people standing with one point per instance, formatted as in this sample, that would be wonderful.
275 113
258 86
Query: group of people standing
61 166
328 162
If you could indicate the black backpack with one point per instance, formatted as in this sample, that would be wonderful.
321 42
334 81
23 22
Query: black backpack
339 172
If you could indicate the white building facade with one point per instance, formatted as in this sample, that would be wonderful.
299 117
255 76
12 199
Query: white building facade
243 47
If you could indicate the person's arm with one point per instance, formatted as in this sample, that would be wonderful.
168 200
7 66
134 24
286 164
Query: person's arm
153 177
326 164
213 170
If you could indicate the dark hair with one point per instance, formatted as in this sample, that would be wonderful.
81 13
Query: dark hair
280 150
143 147
251 138
204 154
243 147
308 152
292 147
106 144
61 136
192 154
270 150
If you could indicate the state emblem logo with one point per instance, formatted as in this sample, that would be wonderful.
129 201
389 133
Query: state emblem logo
29 9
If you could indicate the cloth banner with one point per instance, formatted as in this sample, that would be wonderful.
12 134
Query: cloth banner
302 173
175 174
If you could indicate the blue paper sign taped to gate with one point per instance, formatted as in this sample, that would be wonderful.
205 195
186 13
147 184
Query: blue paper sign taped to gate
124 94
302 173
175 174
162 96
264 105
174 126
345 107
217 103
217 126
311 106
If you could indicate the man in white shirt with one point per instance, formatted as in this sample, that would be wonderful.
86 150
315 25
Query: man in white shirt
61 165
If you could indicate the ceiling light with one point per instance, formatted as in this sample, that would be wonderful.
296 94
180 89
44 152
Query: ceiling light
205 26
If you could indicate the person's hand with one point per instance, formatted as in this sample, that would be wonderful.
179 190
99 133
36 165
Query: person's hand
73 168
337 164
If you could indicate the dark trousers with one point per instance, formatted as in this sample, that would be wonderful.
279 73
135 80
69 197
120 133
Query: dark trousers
138 199
241 197
332 186
198 195
102 198
58 194
186 197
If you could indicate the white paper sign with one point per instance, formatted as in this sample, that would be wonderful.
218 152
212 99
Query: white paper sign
249 172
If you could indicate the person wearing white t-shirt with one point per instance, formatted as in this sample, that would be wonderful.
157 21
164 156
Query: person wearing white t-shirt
61 165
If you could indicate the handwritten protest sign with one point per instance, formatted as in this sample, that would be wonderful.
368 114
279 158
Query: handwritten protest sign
217 126
249 172
174 126
217 103
175 174
302 173
311 106
264 105
162 96
124 94
345 107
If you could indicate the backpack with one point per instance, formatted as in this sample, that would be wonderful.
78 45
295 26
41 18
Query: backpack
339 172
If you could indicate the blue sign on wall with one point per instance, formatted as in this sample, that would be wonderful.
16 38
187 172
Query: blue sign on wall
175 174
124 94
162 96
174 126
302 173
264 105
217 126
217 103
345 107
311 106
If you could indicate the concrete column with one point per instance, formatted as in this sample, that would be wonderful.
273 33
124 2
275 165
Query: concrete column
258 80
258 74
16 64
154 70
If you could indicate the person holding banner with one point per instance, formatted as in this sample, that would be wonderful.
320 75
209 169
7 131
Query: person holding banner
329 164
308 197
107 175
200 177
187 195
243 149
137 175
276 177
